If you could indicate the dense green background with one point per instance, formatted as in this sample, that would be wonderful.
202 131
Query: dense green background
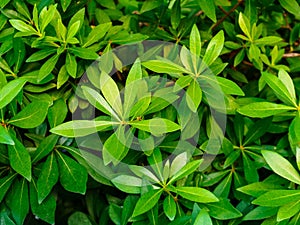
247 52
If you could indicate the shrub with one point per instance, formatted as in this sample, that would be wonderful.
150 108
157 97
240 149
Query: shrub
149 112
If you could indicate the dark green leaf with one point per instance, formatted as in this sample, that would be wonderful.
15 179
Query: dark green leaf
72 175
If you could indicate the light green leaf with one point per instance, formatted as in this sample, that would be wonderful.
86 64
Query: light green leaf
279 88
10 91
83 53
169 206
193 95
178 163
245 25
196 194
128 184
19 159
186 170
135 73
5 137
260 212
164 66
263 109
79 128
71 65
288 210
144 173
98 101
214 49
22 26
156 126
275 198
285 78
146 202
116 146
47 178
72 175
31 116
285 169
111 93
269 40
203 218
97 33
195 41
73 30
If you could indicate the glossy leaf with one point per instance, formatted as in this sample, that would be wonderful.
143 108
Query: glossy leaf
169 206
31 116
10 91
285 169
196 194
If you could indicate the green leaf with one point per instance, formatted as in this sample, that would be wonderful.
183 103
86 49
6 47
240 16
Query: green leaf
182 82
269 40
260 212
195 47
291 6
128 184
214 48
62 77
41 54
10 91
111 92
22 26
196 194
73 30
279 89
31 116
96 34
285 78
79 218
276 198
83 53
263 109
203 218
259 188
288 210
47 67
257 130
44 148
208 8
245 25
186 170
19 159
65 4
5 137
129 204
156 126
164 66
79 128
72 175
294 135
285 169
116 146
5 184
18 201
71 65
223 210
135 73
98 101
193 95
169 206
57 113
175 14
44 210
227 86
146 202
47 178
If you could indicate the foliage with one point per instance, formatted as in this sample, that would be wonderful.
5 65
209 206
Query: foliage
203 131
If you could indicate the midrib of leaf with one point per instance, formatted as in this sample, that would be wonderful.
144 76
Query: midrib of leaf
68 168
50 167
24 118
6 181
